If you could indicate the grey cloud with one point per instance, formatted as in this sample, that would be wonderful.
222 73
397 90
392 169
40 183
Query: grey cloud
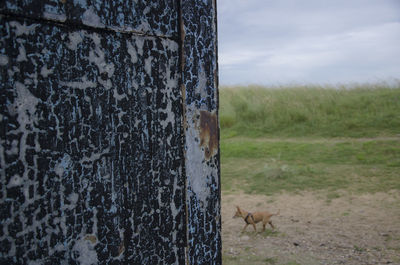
308 41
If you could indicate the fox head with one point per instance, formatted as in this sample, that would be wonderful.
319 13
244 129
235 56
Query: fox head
238 212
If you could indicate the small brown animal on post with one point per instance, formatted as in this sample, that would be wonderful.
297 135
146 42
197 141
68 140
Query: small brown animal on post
253 218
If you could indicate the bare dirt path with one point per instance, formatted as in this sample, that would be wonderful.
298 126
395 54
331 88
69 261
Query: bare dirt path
352 229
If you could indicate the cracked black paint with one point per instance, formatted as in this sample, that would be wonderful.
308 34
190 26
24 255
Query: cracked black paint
100 149
150 17
200 85
89 149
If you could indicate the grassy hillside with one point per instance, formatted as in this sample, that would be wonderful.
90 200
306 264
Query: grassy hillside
313 138
367 111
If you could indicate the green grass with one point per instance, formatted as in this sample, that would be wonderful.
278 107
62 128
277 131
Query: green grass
368 111
247 259
265 167
374 152
252 259
297 139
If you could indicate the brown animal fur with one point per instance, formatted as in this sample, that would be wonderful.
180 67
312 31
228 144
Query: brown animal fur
255 218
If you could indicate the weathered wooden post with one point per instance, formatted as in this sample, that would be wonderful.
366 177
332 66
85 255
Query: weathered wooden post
200 95
109 137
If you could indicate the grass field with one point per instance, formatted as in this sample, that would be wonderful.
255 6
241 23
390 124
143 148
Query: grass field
368 111
310 138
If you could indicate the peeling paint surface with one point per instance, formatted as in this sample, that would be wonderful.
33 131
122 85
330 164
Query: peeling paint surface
158 18
200 93
90 151
109 135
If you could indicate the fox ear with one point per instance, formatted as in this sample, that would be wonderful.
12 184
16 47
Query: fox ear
238 207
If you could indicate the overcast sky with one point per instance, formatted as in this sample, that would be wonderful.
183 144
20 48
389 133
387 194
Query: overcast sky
308 41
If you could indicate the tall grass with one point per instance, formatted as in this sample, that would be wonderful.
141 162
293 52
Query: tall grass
352 111
286 139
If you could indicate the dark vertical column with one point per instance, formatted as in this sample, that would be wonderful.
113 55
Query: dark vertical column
109 138
200 95
91 133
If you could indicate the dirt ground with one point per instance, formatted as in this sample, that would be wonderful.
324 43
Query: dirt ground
350 229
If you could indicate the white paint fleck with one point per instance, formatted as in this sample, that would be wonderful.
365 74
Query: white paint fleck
59 170
14 148
84 84
135 85
2 159
113 209
15 181
54 16
13 250
34 262
94 156
45 72
174 210
132 52
139 44
95 221
90 18
52 13
26 191
202 84
73 198
97 57
75 38
81 3
21 29
98 110
22 54
147 65
106 83
118 96
32 80
25 104
3 59
64 164
59 247
87 253
144 26
63 224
